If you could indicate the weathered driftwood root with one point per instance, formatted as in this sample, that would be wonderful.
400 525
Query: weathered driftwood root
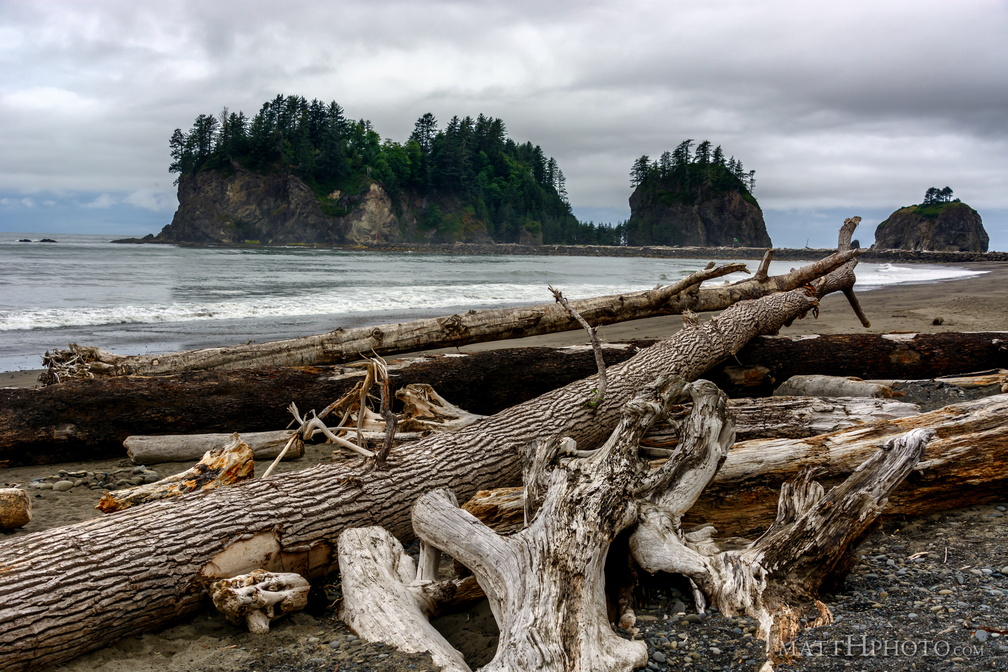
258 598
388 598
546 582
224 465
143 449
776 578
472 327
15 508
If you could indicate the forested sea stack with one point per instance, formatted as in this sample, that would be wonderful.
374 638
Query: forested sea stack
940 224
302 172
694 199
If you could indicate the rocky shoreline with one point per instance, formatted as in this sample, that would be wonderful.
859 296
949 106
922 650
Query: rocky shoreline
912 256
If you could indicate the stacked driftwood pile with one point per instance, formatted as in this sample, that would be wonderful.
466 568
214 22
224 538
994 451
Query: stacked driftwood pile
658 454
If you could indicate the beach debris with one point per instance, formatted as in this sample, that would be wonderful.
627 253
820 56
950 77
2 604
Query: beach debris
224 465
549 578
598 394
15 508
256 599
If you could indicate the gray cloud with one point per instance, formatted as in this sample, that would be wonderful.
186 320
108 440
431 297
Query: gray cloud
859 105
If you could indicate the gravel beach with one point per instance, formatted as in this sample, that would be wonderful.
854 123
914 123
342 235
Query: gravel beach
927 593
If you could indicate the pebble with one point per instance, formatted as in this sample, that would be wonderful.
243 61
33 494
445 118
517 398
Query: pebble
659 657
981 635
693 618
715 650
62 486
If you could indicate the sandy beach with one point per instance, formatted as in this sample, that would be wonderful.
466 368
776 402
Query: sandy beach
317 640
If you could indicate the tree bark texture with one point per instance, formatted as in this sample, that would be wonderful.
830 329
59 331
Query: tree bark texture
170 548
471 327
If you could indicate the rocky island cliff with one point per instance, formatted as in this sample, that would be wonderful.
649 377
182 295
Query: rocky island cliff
302 172
278 208
940 224
700 200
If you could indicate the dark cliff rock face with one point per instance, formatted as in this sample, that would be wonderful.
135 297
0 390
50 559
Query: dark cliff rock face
949 227
725 220
242 206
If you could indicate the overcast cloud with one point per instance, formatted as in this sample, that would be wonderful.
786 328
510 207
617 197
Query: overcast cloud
841 108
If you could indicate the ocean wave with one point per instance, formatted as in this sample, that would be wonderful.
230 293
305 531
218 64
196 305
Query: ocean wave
348 301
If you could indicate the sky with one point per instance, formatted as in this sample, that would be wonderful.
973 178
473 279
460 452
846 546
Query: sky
842 109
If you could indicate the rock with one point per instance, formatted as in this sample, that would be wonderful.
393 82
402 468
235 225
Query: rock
662 214
658 657
62 486
981 635
947 227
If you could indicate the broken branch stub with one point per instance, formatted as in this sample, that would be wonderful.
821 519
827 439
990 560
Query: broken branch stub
222 465
259 597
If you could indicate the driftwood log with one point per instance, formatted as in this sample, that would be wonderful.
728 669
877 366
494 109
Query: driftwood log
187 447
291 521
965 464
471 327
90 419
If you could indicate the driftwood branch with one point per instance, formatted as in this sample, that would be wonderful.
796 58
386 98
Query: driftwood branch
595 345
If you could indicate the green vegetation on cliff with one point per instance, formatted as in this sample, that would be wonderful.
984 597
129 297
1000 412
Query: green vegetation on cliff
468 175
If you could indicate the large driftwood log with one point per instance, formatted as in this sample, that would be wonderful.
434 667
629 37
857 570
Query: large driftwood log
773 359
89 419
471 327
291 521
187 447
965 464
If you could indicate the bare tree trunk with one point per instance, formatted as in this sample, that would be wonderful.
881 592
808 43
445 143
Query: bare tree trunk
472 327
293 519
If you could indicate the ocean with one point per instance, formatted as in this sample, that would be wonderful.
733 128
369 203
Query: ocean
148 299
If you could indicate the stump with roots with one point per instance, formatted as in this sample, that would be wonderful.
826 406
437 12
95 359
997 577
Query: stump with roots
546 583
